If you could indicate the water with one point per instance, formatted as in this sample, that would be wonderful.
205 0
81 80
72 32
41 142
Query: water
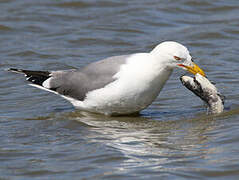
43 137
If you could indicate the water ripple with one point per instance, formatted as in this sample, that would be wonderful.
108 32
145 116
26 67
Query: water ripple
43 137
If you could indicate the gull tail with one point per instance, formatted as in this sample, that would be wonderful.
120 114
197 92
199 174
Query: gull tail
35 77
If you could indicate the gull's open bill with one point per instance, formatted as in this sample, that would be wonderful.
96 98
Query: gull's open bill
194 69
204 89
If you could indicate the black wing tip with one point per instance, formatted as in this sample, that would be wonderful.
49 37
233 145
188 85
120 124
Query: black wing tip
29 72
35 77
14 70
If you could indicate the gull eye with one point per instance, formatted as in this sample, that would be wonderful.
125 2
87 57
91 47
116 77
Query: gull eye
177 58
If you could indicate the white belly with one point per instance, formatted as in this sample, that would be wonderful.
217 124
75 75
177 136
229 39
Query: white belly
123 97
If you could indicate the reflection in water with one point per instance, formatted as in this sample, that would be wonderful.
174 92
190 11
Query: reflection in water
89 144
162 145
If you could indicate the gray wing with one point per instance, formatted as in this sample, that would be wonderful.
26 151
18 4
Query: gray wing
77 83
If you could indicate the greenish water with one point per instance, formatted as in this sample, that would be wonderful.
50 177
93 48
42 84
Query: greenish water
43 137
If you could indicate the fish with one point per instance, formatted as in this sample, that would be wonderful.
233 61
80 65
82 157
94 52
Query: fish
205 90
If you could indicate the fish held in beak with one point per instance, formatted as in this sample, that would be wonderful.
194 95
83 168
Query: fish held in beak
204 89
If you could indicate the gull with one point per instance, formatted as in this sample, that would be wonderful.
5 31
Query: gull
118 85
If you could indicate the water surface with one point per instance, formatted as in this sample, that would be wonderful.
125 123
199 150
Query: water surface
43 137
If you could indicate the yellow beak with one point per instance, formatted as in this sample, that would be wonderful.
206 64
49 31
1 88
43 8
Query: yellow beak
194 69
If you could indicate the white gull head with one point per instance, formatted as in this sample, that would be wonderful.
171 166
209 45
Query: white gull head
175 55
